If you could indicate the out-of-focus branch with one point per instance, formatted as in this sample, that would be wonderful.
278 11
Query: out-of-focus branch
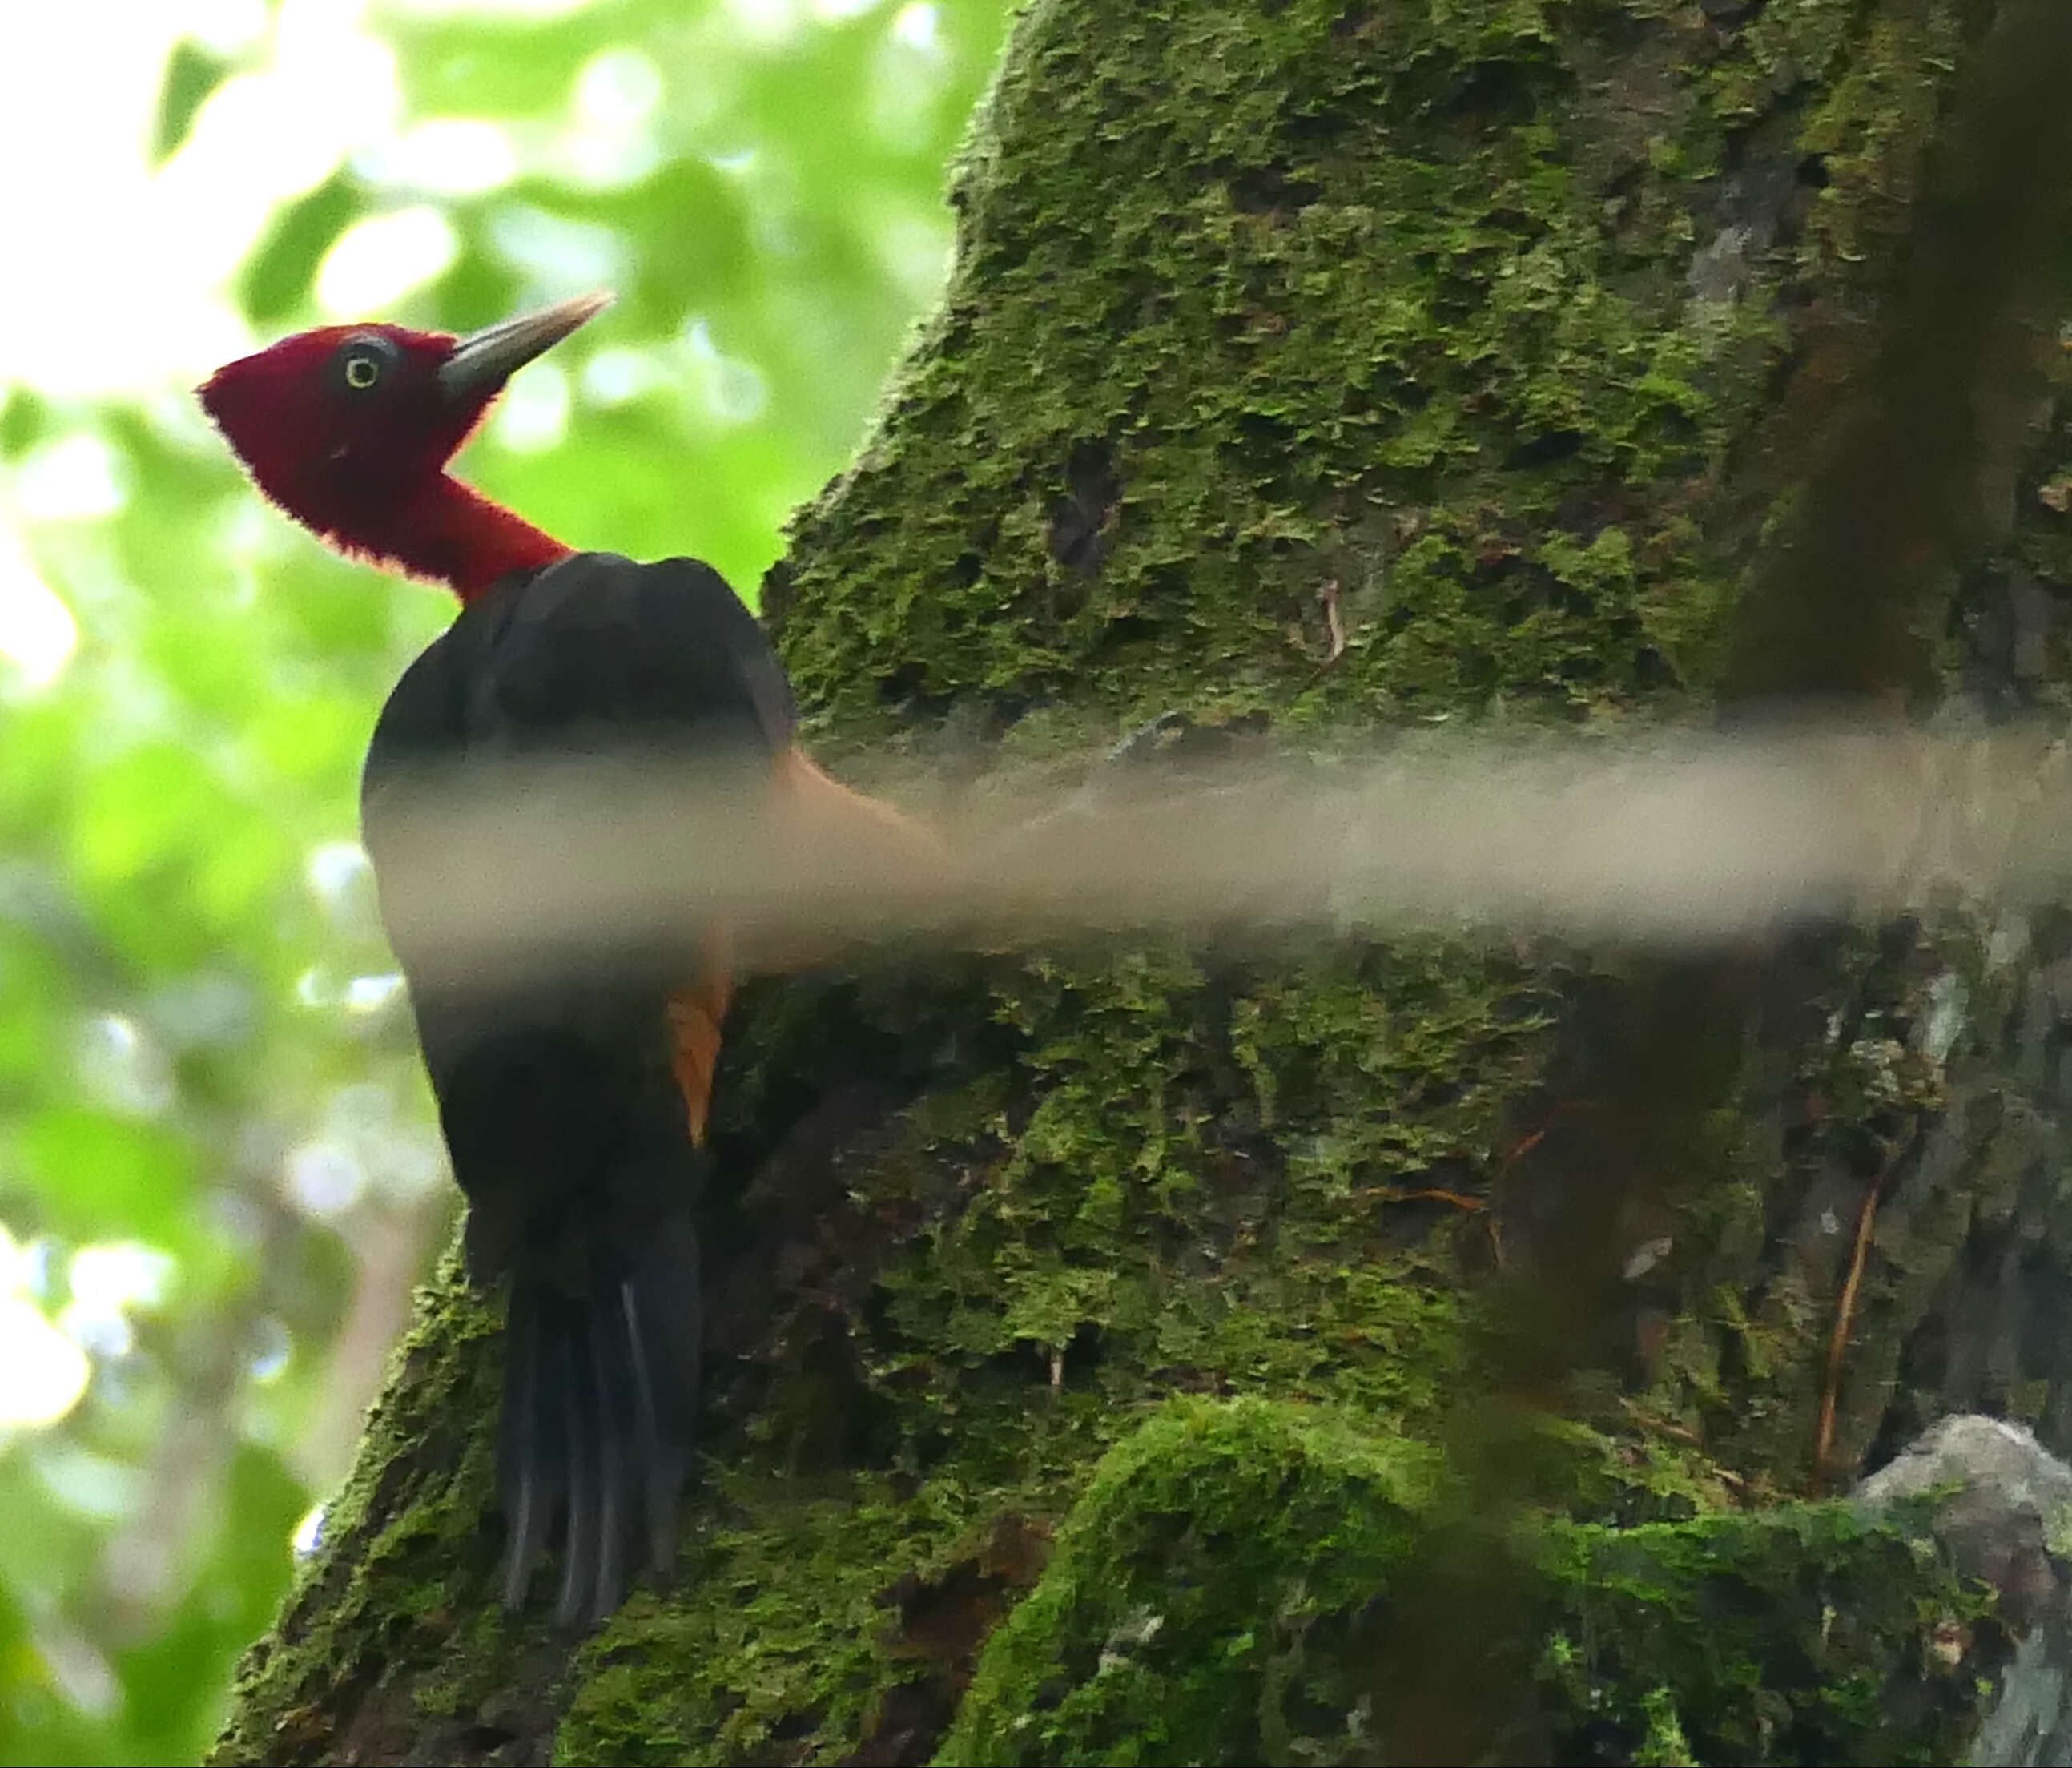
1687 841
391 1246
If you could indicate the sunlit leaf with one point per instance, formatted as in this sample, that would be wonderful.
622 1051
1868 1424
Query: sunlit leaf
488 66
172 1714
142 809
96 1176
192 72
277 277
24 418
35 985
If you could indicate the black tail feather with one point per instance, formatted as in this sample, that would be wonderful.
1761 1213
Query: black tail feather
600 1412
614 1505
663 1336
530 1456
584 1423
656 1487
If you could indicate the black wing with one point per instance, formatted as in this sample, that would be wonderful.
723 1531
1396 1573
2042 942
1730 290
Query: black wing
561 1110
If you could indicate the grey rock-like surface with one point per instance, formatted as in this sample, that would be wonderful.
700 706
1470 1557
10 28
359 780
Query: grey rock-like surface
2005 1500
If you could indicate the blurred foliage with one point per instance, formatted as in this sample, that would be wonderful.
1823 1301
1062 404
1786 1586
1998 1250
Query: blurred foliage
218 1176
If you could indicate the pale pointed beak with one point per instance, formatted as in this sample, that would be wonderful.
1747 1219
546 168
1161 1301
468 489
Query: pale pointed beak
483 361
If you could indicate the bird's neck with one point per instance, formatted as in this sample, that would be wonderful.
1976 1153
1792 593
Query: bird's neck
457 537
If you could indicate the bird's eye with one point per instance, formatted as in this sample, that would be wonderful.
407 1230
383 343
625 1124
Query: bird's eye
363 362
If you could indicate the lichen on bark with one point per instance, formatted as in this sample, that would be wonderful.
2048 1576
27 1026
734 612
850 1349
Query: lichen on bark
1320 369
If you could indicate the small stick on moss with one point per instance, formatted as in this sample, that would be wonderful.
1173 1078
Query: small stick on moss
1516 1152
1838 1344
1329 596
1660 1425
1474 1206
1739 1484
1471 1206
1526 1143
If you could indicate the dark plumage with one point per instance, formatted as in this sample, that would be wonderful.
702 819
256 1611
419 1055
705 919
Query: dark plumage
557 1092
574 1097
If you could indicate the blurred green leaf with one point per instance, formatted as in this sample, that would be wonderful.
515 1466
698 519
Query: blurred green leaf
312 740
703 211
277 277
98 1176
38 756
24 418
155 807
173 1712
478 290
33 982
491 67
192 72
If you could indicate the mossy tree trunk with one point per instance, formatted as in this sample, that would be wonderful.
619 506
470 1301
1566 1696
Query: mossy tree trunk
1313 366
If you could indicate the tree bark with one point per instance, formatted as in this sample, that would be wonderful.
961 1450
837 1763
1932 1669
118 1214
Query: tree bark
1149 1353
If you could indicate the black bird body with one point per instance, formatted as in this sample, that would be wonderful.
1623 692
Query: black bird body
572 1103
573 1092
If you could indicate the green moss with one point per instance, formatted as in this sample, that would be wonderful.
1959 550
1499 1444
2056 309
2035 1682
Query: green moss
781 1630
1802 1635
1664 1745
402 1556
1872 129
1206 1172
1202 1592
1468 339
1221 1592
1425 336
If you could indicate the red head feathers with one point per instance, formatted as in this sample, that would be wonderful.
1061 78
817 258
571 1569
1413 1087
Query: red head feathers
349 429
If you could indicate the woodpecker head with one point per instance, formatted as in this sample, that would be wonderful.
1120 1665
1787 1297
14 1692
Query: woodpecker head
348 429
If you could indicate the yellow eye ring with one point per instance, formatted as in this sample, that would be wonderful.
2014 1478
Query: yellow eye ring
361 372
